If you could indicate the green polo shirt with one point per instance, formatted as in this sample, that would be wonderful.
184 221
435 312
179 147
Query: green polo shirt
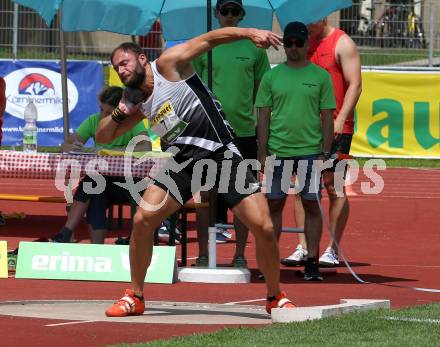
236 67
296 97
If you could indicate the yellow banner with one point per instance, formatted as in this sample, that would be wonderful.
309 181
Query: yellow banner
113 78
3 259
398 115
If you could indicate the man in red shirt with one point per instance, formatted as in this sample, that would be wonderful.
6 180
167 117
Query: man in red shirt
333 50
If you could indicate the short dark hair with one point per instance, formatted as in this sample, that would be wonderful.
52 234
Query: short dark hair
110 95
128 47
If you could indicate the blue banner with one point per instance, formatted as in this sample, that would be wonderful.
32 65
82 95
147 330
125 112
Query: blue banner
41 82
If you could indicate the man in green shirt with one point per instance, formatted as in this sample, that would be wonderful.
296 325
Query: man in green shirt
295 103
237 69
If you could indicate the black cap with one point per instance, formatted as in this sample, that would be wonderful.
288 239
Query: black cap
297 30
221 3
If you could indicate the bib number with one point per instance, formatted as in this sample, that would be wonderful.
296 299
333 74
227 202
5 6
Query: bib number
166 124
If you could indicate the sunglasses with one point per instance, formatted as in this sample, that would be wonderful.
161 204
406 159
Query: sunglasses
234 11
298 43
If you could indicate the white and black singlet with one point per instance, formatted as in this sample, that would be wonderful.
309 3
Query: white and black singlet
187 115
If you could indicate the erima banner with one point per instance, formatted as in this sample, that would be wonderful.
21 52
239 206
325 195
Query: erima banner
40 81
398 115
89 262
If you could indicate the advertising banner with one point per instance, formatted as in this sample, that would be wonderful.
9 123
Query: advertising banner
398 115
40 81
90 262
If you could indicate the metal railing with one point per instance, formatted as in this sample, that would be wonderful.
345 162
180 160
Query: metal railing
24 35
399 32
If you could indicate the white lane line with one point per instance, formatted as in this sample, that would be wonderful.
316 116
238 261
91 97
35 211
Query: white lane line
70 323
409 265
244 301
415 320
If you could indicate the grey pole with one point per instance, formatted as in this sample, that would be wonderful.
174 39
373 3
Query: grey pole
15 32
432 9
212 195
64 90
209 28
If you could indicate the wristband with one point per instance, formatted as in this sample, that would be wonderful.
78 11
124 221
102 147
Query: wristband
118 116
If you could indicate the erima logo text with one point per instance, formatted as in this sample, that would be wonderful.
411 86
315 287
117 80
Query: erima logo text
71 263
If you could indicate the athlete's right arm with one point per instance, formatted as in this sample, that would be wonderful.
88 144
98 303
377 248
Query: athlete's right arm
175 63
109 130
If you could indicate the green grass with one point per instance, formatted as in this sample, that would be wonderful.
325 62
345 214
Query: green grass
415 163
377 57
369 57
370 328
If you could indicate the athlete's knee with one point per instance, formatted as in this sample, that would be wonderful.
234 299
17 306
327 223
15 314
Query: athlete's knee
264 230
143 221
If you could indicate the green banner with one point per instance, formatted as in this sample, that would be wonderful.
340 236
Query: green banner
70 261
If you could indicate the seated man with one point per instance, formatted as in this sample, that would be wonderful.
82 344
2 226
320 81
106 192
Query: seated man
96 204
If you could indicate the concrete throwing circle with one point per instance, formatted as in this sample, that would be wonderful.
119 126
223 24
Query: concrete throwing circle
156 312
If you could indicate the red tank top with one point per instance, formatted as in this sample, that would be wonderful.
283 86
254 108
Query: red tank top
322 53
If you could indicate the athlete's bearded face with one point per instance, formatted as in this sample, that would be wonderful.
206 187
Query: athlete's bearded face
137 77
129 68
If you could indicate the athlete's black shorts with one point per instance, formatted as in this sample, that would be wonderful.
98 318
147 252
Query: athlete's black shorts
231 188
248 148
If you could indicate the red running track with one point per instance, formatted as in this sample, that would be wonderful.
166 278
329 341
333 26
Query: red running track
392 239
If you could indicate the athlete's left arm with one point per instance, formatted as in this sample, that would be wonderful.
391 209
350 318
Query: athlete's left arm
349 59
175 63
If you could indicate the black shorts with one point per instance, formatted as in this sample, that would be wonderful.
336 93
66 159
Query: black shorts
341 144
231 176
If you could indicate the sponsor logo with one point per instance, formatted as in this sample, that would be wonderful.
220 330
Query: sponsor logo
71 263
67 262
125 261
43 87
35 84
88 262
166 109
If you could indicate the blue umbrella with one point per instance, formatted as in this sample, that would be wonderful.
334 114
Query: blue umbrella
180 19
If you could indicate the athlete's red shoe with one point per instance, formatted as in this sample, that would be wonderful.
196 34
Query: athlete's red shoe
280 301
128 305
